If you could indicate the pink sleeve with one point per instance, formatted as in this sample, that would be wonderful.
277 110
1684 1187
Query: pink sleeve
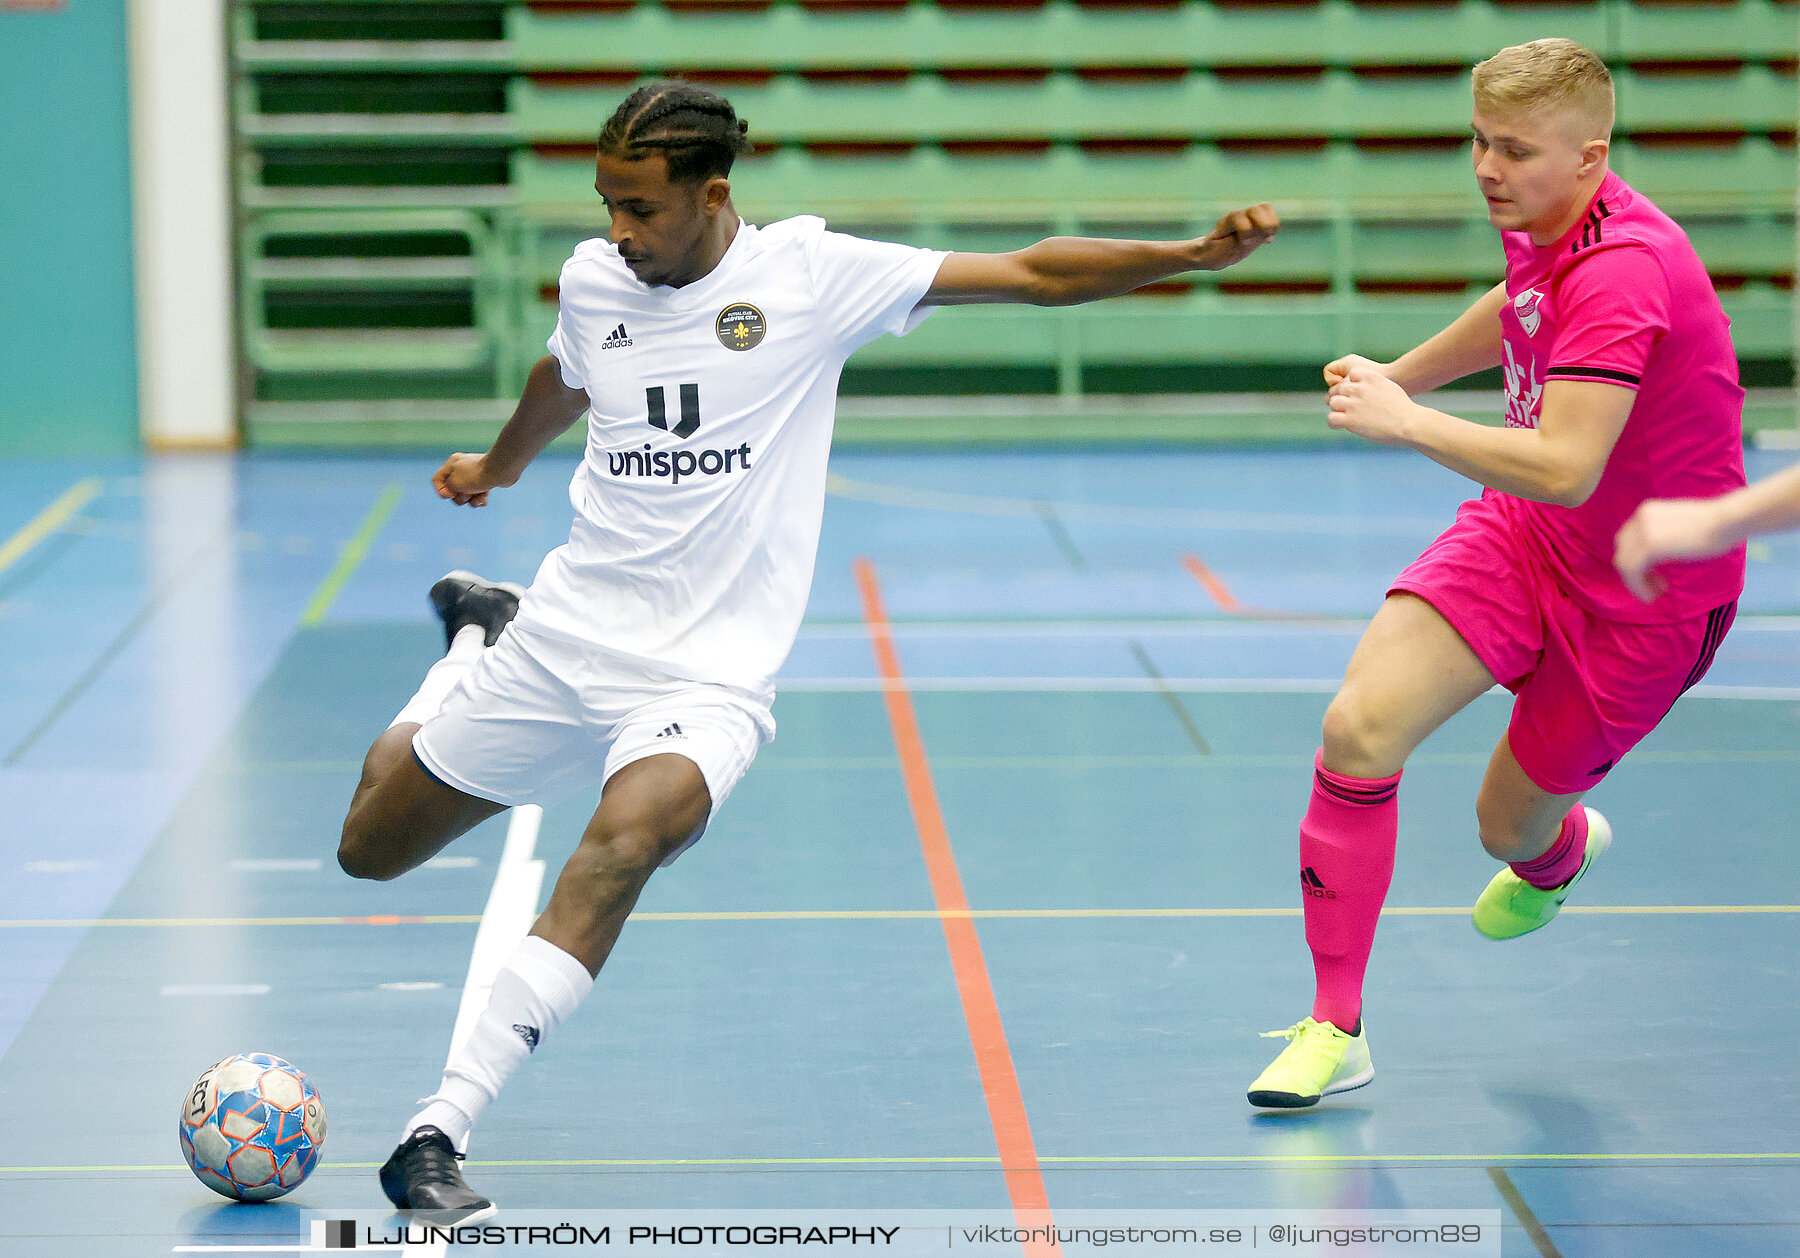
1613 308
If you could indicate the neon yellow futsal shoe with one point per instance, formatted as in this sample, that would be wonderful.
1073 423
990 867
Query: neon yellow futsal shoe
1319 1060
1511 907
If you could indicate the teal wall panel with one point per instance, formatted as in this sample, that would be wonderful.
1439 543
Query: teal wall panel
68 362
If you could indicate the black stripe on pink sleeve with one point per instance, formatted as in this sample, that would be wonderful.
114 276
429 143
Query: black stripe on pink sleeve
1592 373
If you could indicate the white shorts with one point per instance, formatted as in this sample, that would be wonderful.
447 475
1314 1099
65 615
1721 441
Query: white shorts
537 719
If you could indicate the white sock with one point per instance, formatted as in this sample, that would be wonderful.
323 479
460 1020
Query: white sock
534 993
465 649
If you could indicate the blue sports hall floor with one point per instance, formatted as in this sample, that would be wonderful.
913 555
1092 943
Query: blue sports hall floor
1117 662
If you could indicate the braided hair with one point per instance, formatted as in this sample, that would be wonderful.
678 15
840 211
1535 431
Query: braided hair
697 130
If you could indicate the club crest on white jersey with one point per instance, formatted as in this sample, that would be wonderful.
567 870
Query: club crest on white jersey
741 326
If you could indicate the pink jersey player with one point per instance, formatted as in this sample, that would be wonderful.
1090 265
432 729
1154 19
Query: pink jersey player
1623 299
1621 386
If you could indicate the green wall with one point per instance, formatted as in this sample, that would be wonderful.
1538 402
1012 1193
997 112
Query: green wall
68 363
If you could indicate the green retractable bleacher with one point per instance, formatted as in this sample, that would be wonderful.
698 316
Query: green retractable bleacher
413 172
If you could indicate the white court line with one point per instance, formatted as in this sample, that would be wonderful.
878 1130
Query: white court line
1143 517
511 908
1249 685
1211 627
1745 692
215 989
1220 628
1218 685
301 865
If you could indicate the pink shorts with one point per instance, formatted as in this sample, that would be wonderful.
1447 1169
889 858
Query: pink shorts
1588 689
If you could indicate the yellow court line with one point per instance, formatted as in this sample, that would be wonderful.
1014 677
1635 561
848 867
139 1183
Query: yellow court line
1487 1158
47 521
352 555
902 914
1323 1159
826 915
1104 1159
447 919
1184 761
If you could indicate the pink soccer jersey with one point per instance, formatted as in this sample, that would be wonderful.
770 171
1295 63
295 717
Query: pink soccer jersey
1622 299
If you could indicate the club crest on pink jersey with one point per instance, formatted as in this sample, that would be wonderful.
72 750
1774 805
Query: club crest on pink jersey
1525 305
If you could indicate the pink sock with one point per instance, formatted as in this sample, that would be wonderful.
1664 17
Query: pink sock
1346 862
1557 865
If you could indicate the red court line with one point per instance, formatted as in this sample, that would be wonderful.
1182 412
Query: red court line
993 1059
1221 594
1227 601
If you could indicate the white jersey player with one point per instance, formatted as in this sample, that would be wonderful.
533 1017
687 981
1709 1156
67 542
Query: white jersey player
706 352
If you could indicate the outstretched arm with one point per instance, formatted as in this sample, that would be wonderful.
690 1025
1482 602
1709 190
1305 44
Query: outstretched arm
1699 528
546 409
1069 270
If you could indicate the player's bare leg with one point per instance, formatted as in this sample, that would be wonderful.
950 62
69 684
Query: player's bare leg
401 816
1518 818
1548 841
1410 673
648 811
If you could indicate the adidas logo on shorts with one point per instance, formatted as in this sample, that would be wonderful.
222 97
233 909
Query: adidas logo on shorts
672 731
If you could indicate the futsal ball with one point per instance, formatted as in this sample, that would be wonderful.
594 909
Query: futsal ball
252 1127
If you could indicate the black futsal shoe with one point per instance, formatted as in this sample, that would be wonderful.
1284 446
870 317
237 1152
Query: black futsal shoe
422 1176
462 598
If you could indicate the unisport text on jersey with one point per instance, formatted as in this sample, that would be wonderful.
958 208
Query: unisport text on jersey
674 464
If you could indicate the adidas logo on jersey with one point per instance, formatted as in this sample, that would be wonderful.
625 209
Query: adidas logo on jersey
618 338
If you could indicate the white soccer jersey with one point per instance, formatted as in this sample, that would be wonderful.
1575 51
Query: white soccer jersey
699 500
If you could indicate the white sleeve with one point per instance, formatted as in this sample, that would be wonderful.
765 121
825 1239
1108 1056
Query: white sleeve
565 342
869 287
560 345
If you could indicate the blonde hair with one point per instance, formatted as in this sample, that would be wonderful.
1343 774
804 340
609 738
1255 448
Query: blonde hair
1547 75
